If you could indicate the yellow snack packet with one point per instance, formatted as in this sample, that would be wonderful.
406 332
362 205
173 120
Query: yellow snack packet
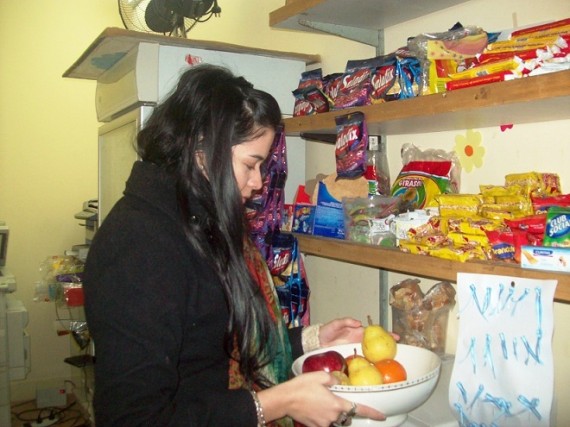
412 247
458 205
474 226
462 239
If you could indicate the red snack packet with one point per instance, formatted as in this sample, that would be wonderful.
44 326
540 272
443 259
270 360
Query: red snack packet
540 205
533 224
506 245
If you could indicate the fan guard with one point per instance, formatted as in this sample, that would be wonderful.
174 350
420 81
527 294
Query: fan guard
169 17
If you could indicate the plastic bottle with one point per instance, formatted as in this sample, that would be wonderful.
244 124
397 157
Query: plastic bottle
377 172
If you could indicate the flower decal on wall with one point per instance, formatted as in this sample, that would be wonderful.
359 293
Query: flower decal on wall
469 150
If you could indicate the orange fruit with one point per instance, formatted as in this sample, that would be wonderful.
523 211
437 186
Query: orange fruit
392 371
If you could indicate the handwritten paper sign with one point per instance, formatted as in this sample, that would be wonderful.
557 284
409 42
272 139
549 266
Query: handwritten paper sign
503 371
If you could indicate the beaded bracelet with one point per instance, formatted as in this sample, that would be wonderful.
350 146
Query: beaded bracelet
258 409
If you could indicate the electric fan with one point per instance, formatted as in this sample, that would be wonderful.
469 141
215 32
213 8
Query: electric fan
169 17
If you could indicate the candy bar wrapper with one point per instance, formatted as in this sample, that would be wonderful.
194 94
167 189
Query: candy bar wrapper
503 373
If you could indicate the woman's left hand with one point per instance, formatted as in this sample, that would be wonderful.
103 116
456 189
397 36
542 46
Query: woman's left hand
341 331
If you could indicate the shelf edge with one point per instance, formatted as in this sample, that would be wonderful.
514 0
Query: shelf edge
392 259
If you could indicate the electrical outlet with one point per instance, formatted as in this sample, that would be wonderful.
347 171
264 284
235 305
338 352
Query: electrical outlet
50 397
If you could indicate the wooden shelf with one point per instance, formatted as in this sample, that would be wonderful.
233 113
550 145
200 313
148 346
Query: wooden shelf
527 100
393 259
367 14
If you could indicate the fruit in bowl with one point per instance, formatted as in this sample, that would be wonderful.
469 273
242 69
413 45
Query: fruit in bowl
377 344
395 399
328 361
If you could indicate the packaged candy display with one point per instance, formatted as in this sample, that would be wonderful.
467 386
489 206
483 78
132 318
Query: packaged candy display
265 217
421 319
436 62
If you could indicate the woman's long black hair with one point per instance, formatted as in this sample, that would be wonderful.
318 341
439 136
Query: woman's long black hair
210 111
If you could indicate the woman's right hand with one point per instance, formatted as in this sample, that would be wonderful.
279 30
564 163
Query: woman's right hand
308 400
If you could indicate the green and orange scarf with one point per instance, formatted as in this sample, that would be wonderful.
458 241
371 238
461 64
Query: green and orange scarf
280 367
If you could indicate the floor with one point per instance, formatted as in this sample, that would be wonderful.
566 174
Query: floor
25 414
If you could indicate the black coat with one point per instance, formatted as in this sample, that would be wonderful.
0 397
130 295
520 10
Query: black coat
157 314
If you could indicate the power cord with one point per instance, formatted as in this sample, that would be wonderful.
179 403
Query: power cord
44 417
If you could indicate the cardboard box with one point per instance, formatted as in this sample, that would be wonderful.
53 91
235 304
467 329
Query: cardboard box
329 215
545 258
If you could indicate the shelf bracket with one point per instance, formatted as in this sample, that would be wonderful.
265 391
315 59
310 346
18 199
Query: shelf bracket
384 299
362 35
329 138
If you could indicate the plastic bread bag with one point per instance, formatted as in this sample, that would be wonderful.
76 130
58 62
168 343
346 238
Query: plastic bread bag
425 175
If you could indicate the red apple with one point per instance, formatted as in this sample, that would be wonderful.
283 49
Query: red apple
328 361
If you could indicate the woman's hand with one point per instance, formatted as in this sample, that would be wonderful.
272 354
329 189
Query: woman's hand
341 331
307 399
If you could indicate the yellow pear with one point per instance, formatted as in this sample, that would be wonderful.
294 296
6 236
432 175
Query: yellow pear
365 374
362 372
356 362
377 344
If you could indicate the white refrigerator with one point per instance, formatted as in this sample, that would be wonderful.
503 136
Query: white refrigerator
127 93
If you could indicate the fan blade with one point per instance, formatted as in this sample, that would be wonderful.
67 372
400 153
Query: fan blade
159 17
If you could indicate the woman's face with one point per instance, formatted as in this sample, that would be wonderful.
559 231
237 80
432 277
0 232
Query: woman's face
247 160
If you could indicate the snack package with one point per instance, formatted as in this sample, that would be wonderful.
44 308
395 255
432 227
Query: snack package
425 175
557 232
410 76
331 87
355 86
309 95
506 245
351 145
535 183
541 204
458 43
385 81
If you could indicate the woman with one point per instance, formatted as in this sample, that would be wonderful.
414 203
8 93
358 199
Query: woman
179 306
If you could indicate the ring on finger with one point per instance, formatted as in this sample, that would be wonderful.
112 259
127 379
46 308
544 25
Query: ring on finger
352 411
342 420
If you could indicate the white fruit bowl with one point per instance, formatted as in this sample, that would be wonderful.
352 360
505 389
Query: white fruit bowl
395 400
